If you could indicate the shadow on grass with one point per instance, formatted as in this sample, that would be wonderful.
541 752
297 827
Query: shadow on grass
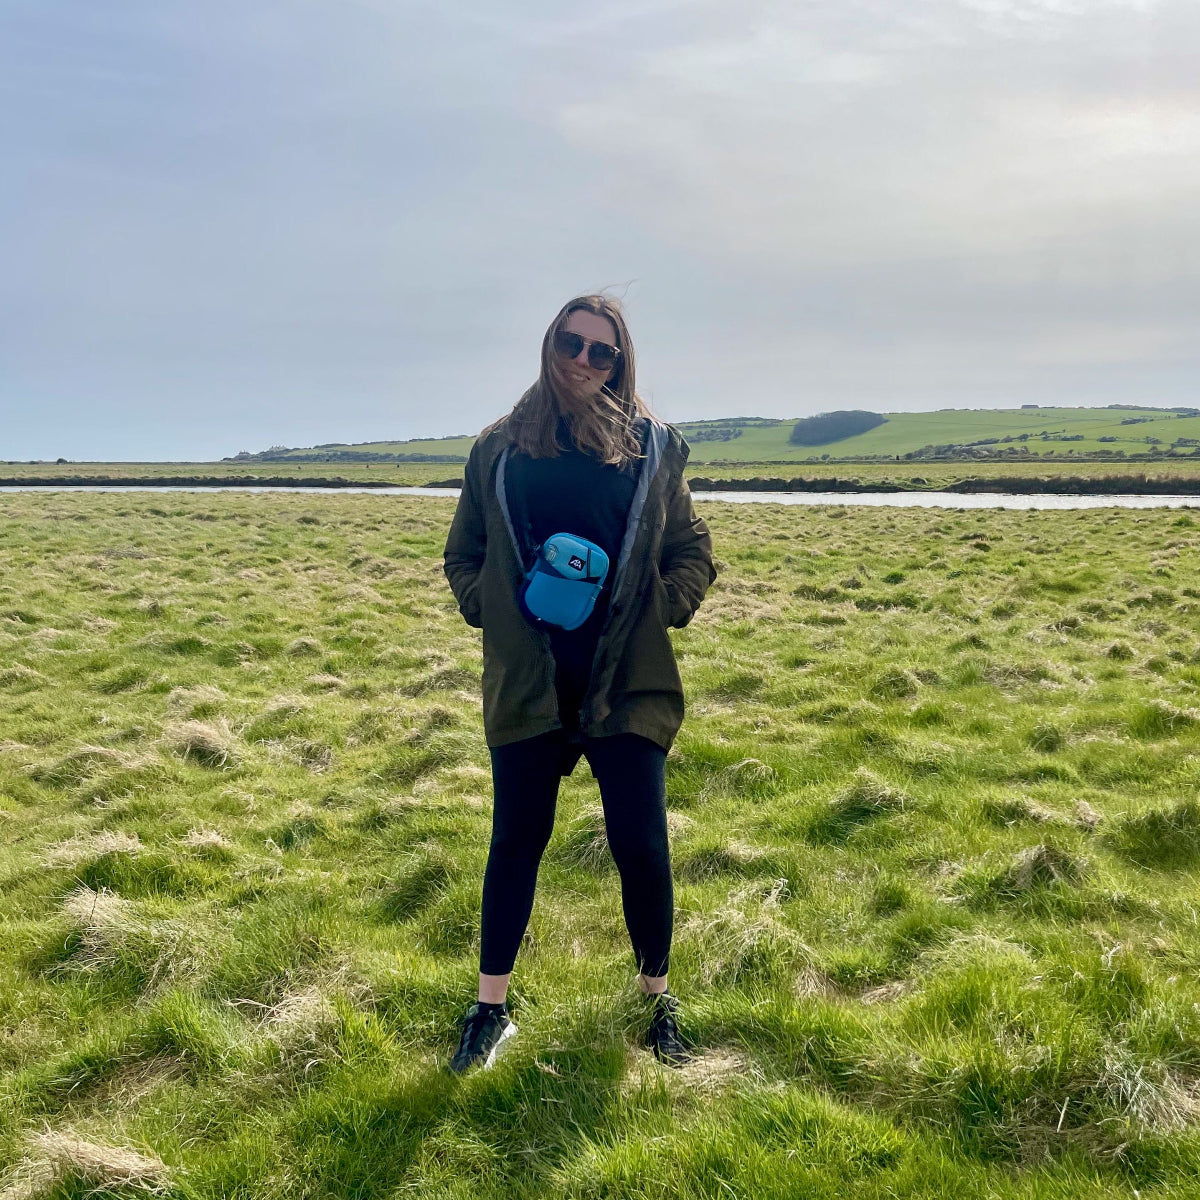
369 1135
1163 838
867 798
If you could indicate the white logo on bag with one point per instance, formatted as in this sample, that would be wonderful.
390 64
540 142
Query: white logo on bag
576 563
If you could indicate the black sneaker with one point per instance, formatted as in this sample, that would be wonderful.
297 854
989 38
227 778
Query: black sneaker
663 1036
485 1032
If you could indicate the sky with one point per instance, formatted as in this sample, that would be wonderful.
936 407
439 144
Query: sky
230 225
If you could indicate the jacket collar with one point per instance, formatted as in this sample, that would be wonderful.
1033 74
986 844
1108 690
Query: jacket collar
655 441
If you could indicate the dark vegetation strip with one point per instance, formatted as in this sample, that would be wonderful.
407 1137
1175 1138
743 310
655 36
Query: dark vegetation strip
1109 485
291 481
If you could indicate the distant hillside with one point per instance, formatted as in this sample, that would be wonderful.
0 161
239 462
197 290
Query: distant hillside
1114 432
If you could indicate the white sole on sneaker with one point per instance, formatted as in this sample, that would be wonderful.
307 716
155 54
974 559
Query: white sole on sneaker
510 1032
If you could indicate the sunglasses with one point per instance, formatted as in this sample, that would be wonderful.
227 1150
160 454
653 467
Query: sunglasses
601 356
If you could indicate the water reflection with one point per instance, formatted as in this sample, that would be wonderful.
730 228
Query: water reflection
841 499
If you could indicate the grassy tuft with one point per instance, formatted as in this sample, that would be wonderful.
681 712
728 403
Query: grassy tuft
1015 810
57 1160
744 939
867 798
80 765
209 743
895 684
1046 738
208 843
1045 865
304 647
20 678
195 703
709 859
585 841
1159 719
749 778
1162 838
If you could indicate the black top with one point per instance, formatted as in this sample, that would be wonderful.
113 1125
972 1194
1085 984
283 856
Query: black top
573 493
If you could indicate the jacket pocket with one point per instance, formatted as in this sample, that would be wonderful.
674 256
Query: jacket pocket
662 598
470 606
670 609
647 662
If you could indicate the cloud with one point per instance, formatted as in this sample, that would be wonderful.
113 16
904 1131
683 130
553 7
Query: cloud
818 139
246 225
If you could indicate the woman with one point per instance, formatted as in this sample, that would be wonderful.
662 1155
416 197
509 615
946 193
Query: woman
580 453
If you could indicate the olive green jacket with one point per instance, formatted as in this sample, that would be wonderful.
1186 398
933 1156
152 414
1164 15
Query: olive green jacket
664 568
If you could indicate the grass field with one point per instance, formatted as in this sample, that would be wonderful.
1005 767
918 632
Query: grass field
1045 432
392 474
934 827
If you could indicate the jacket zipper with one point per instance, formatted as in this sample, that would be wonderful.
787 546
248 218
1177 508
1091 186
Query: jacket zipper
655 448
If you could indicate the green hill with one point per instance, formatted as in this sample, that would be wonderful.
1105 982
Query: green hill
1119 431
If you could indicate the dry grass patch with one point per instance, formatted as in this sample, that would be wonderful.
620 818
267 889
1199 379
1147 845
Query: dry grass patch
887 993
208 844
115 934
58 1159
468 777
304 647
301 1028
708 1073
450 679
84 762
746 936
719 1068
311 755
209 743
1040 866
678 823
749 777
196 702
324 682
83 846
19 676
283 708
359 593
1150 1096
299 1015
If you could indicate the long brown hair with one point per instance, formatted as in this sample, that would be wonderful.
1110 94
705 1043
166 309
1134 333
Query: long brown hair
605 426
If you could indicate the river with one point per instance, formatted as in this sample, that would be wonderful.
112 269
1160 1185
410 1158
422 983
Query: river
841 499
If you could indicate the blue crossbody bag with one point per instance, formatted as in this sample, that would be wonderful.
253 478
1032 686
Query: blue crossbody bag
562 586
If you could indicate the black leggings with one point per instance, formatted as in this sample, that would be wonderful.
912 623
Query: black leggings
630 770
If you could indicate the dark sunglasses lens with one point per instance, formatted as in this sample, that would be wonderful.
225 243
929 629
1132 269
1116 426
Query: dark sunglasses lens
567 344
601 357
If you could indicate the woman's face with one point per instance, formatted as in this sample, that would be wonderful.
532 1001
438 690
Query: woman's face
582 383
